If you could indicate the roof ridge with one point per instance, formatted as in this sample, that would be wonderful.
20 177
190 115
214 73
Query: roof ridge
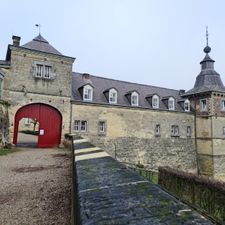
128 82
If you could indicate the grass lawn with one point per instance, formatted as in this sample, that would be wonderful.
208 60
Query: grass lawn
4 151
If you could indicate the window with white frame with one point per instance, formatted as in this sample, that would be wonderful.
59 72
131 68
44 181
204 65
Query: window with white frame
155 101
174 130
102 127
203 105
112 96
188 131
223 105
134 99
187 105
157 130
171 103
43 70
88 93
1 82
80 125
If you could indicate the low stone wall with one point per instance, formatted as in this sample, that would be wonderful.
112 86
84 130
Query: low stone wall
4 124
205 194
152 153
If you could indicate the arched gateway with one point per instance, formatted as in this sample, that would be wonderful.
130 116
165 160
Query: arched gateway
50 123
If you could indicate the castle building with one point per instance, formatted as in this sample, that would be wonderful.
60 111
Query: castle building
135 123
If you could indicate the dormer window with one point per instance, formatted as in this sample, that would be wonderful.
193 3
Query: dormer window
203 105
171 103
43 70
112 96
134 99
88 93
155 101
187 105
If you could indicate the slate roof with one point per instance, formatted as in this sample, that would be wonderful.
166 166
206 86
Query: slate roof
100 84
40 44
208 80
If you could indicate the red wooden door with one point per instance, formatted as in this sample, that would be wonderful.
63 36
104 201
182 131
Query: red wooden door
50 123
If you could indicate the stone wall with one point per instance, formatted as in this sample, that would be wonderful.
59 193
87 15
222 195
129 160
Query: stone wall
4 124
130 135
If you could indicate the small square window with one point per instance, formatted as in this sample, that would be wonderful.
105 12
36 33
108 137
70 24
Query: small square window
203 105
174 131
157 130
188 131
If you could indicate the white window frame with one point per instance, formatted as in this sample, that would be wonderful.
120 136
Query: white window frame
175 131
157 130
43 70
113 96
1 85
187 106
102 127
203 107
88 93
80 126
134 96
155 101
223 105
188 131
171 103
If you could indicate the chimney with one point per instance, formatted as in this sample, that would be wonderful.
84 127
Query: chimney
181 91
16 40
86 76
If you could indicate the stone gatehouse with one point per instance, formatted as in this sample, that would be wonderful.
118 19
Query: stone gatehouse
135 123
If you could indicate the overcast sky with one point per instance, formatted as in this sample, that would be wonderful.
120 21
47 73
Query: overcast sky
155 42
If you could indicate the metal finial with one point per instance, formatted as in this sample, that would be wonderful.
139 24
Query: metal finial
207 36
39 26
207 49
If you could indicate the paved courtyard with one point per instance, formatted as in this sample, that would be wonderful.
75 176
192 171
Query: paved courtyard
35 187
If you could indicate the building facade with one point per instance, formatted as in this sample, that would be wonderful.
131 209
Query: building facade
135 123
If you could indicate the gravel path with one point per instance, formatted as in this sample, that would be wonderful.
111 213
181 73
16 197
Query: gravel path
35 187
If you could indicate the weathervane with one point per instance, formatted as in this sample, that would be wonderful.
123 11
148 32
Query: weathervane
39 26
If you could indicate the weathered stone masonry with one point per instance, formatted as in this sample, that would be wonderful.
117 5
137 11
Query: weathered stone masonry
4 123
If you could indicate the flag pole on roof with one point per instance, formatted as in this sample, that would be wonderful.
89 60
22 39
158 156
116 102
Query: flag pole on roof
39 26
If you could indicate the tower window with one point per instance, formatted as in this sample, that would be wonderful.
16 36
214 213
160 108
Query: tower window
43 70
203 104
174 131
223 105
171 103
87 93
155 101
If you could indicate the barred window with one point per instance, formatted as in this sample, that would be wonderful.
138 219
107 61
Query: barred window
43 70
157 130
174 130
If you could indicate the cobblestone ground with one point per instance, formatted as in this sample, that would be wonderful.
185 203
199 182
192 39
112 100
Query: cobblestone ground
35 187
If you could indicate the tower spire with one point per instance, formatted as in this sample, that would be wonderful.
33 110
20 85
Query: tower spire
207 49
207 36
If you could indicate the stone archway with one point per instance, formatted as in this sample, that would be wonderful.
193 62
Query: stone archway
50 123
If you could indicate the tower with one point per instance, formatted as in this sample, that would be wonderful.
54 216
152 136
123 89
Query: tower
208 100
